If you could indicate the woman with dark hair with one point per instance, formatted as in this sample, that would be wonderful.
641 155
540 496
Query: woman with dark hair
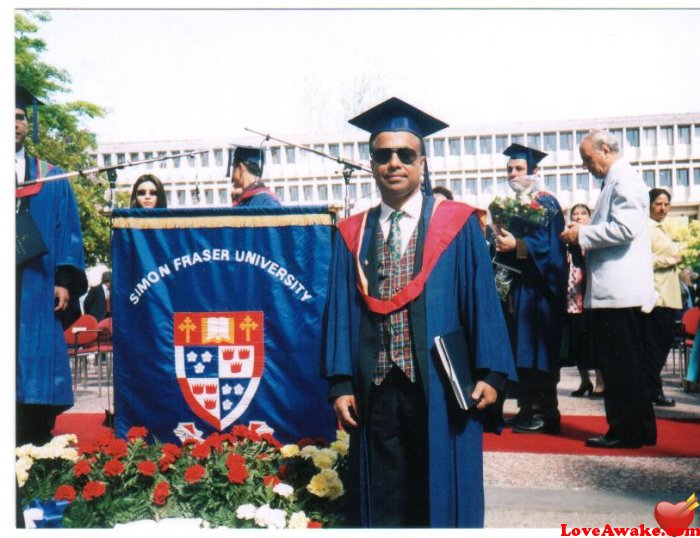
576 343
148 193
658 324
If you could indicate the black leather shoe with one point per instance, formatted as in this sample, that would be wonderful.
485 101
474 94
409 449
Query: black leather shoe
606 442
662 401
582 390
537 425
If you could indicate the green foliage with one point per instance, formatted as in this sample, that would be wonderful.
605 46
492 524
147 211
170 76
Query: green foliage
63 140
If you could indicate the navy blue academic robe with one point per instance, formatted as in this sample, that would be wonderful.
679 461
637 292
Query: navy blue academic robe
539 295
257 195
43 368
459 291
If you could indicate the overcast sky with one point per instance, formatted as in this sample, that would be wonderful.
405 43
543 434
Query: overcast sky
191 74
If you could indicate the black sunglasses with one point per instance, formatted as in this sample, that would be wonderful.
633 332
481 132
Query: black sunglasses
144 192
384 155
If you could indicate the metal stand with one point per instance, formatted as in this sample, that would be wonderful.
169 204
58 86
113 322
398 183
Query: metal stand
347 172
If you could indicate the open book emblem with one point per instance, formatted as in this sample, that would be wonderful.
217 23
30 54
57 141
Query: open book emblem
219 360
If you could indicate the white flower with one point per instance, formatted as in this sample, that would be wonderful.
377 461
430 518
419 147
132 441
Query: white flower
325 458
271 518
340 447
342 435
298 520
245 511
24 463
284 490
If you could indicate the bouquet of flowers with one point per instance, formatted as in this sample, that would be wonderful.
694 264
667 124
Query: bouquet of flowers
236 479
520 215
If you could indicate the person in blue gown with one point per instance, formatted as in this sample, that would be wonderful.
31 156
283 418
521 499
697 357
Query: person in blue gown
403 273
45 285
247 170
535 306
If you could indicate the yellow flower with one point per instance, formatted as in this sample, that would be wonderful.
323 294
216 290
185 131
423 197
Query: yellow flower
326 484
309 452
325 458
340 447
289 451
342 435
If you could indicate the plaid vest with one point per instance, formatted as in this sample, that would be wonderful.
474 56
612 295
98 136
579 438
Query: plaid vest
395 328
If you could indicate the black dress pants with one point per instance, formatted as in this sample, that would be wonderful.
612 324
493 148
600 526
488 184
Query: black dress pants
658 337
537 395
618 346
397 429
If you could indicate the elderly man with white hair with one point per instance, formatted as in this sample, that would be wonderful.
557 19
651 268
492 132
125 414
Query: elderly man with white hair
620 286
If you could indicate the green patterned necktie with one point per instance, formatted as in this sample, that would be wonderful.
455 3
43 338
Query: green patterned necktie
394 240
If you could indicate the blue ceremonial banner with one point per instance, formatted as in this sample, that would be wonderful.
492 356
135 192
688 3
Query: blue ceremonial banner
217 321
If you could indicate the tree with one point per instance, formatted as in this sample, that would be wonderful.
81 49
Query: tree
63 140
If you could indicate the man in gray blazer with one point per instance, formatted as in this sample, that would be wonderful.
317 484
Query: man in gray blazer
620 285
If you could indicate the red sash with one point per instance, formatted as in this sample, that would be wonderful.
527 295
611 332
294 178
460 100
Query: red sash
447 220
253 192
42 168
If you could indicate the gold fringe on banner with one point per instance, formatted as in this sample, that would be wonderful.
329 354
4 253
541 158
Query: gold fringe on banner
224 221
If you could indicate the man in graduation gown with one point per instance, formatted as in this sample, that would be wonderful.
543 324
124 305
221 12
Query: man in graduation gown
403 273
248 164
45 284
536 303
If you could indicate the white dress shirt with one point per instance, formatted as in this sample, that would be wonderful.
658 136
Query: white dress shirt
20 165
407 222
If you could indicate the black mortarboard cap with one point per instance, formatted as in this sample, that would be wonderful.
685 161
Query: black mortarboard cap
255 155
22 101
397 115
532 156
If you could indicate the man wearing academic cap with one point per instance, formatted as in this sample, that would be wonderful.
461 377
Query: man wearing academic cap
248 164
535 306
50 272
402 273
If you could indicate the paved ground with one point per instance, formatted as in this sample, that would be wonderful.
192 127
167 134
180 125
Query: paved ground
544 491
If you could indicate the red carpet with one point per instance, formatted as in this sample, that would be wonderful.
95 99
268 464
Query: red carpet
676 438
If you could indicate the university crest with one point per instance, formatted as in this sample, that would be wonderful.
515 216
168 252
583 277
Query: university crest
219 359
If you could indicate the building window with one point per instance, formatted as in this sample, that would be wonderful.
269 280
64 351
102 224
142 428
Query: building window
649 178
684 134
218 157
501 143
176 160
308 192
318 147
442 182
348 150
181 197
323 193
550 141
697 131
470 187
169 198
696 176
275 155
135 156
649 136
486 184
580 135
363 147
517 139
204 159
617 133
667 135
470 145
190 158
485 145
223 196
533 140
550 182
147 156
502 185
439 147
456 186
289 153
352 191
279 192
366 189
164 163
633 137
337 192
121 158
566 140
209 196
565 182
334 149
664 178
582 182
682 177
455 146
